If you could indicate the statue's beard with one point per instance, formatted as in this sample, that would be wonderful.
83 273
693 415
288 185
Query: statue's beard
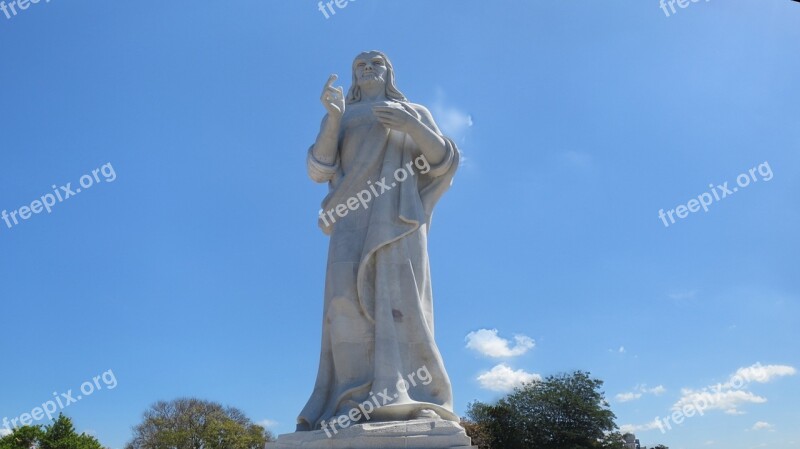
371 81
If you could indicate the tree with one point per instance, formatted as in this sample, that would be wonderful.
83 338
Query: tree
567 411
189 423
23 437
61 435
612 440
58 435
488 425
481 437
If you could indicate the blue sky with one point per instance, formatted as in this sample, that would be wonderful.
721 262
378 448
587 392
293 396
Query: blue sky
199 270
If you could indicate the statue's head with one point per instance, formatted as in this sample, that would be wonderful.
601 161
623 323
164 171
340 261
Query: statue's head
373 68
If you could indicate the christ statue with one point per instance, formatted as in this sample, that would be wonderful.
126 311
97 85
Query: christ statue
386 164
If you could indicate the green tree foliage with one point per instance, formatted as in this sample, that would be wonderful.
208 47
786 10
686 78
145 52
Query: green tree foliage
567 411
189 423
58 435
23 437
481 437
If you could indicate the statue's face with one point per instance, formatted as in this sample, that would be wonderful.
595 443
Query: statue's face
370 68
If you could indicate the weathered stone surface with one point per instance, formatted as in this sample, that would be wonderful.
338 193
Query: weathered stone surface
386 164
415 434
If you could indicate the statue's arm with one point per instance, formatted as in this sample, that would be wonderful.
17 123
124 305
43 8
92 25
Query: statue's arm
427 136
326 148
323 155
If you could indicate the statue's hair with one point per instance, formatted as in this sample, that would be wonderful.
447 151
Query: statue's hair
392 93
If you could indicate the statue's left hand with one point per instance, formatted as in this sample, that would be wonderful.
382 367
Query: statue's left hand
395 118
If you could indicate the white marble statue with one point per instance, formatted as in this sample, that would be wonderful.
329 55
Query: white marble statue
386 164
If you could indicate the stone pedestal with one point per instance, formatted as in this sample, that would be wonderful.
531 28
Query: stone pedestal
416 434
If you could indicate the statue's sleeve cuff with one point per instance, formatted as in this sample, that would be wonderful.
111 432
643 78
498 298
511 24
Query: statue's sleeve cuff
443 167
319 171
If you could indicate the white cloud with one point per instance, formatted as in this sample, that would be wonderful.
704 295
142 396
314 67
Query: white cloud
267 423
503 379
622 349
487 342
638 392
627 397
728 401
762 425
634 428
4 431
453 122
732 394
761 373
678 296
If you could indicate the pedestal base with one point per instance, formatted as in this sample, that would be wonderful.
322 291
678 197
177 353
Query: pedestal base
416 434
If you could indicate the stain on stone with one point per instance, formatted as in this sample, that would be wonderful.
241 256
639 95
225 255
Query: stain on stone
398 315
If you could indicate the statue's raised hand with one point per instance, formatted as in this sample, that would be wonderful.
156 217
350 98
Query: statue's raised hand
333 98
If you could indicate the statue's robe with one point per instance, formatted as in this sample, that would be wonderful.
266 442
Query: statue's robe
378 309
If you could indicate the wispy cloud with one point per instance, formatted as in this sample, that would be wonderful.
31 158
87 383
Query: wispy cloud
452 121
627 397
638 392
503 378
267 423
488 343
729 401
763 425
633 428
728 397
762 373
732 394
683 295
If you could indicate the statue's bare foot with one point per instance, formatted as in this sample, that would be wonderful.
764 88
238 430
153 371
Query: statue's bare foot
427 414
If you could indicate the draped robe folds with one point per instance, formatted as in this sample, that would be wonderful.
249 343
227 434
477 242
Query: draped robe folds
378 308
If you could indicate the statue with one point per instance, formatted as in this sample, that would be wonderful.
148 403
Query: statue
387 164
